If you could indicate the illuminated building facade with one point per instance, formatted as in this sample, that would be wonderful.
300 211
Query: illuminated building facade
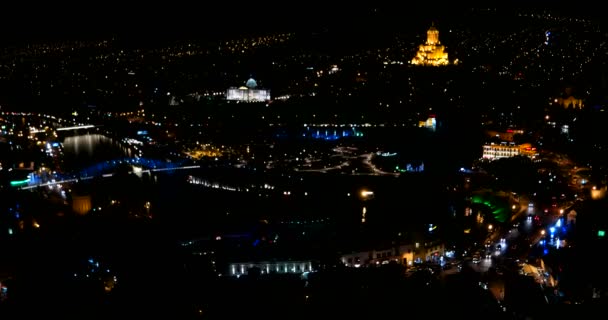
270 267
567 100
407 254
248 93
81 204
506 150
429 123
598 193
570 102
432 52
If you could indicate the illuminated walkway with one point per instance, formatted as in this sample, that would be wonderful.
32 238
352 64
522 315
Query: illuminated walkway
366 160
84 126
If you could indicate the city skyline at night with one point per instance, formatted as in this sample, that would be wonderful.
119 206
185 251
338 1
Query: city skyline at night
314 160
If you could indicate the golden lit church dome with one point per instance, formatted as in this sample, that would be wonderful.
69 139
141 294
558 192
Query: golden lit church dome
432 52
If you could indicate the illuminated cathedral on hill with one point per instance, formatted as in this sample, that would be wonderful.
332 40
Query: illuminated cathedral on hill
432 52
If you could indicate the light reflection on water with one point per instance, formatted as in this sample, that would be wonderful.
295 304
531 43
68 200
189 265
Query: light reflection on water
87 149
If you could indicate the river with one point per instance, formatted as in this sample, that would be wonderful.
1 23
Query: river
85 150
193 209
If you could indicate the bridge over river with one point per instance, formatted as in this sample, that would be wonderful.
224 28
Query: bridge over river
107 169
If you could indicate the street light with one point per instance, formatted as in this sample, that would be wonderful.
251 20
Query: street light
490 227
542 232
366 193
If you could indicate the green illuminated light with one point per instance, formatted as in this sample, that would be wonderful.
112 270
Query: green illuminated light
497 206
17 183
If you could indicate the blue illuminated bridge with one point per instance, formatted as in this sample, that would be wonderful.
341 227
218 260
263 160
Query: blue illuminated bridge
143 165
107 169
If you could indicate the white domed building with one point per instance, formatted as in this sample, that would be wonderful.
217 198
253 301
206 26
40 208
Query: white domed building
248 93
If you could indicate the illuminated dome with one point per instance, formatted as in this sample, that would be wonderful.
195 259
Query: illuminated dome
251 84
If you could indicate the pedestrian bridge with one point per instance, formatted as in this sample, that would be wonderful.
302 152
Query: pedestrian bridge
107 169
84 126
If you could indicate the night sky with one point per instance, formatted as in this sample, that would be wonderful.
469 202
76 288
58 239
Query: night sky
155 20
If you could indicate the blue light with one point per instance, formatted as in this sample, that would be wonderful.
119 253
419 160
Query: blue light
546 252
552 229
329 135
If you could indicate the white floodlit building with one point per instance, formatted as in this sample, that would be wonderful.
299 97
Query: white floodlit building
248 93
